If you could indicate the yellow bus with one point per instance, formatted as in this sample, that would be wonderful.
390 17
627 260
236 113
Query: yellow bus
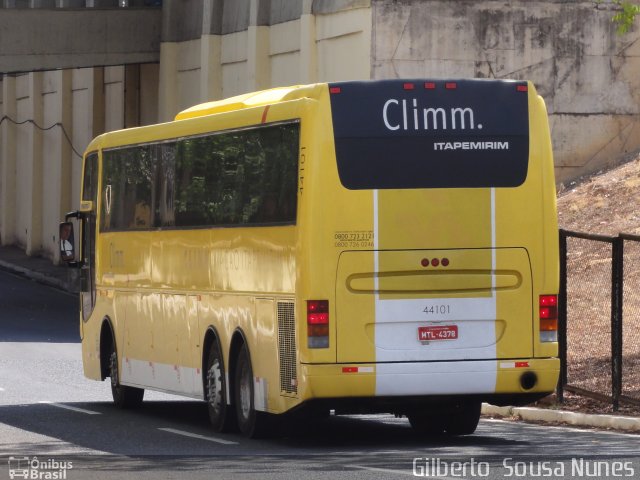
380 246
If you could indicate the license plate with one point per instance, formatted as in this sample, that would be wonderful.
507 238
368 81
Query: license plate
439 332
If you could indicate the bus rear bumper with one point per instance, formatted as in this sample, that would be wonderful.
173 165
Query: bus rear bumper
482 378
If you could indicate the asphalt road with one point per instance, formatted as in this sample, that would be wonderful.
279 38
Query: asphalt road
54 419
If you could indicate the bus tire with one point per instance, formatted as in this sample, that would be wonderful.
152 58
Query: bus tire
221 414
123 396
427 423
465 420
251 423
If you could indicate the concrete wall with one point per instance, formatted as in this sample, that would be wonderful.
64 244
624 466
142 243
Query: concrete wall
33 39
211 49
49 119
245 45
588 75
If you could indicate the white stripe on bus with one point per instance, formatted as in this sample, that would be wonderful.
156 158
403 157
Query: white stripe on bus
436 378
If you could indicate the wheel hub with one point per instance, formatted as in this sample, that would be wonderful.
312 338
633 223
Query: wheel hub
214 386
113 367
245 394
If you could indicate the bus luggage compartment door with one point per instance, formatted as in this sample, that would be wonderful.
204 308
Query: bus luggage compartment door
434 305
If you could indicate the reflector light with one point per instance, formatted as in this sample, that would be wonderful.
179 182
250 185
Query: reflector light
450 85
318 330
548 300
430 85
335 90
522 364
435 262
522 88
317 306
425 262
317 318
548 305
445 262
318 323
547 312
408 86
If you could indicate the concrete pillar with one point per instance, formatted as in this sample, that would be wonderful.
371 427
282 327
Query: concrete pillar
132 96
2 120
87 100
42 3
168 101
308 50
56 156
149 73
114 98
101 3
8 162
98 104
211 51
258 63
70 3
28 201
210 68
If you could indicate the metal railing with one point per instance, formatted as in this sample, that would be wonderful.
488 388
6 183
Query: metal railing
599 317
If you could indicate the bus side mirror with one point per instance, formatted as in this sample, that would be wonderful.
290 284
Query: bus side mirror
67 245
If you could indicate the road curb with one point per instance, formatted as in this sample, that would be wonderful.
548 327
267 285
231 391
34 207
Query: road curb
614 422
35 276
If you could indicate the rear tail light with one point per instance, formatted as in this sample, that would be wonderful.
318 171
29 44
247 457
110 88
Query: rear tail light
318 323
548 318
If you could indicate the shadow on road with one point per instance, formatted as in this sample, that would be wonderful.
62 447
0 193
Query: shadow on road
137 432
32 312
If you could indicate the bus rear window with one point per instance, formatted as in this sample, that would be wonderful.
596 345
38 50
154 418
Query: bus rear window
400 134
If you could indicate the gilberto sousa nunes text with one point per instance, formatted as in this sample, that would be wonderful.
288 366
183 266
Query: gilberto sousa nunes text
510 467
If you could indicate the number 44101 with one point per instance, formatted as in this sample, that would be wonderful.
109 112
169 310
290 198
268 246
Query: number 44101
437 309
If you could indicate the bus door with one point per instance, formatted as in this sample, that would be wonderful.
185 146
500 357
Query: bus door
88 252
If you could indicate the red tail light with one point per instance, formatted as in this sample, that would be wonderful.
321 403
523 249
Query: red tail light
318 323
548 306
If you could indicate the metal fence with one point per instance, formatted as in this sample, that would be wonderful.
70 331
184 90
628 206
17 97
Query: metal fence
630 318
599 317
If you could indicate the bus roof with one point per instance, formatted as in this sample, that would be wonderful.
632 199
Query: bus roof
239 102
249 100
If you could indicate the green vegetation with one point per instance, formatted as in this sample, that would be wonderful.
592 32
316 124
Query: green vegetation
625 18
626 15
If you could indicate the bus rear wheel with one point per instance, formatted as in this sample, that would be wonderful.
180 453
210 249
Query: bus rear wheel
251 423
465 420
457 419
427 423
123 396
221 414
